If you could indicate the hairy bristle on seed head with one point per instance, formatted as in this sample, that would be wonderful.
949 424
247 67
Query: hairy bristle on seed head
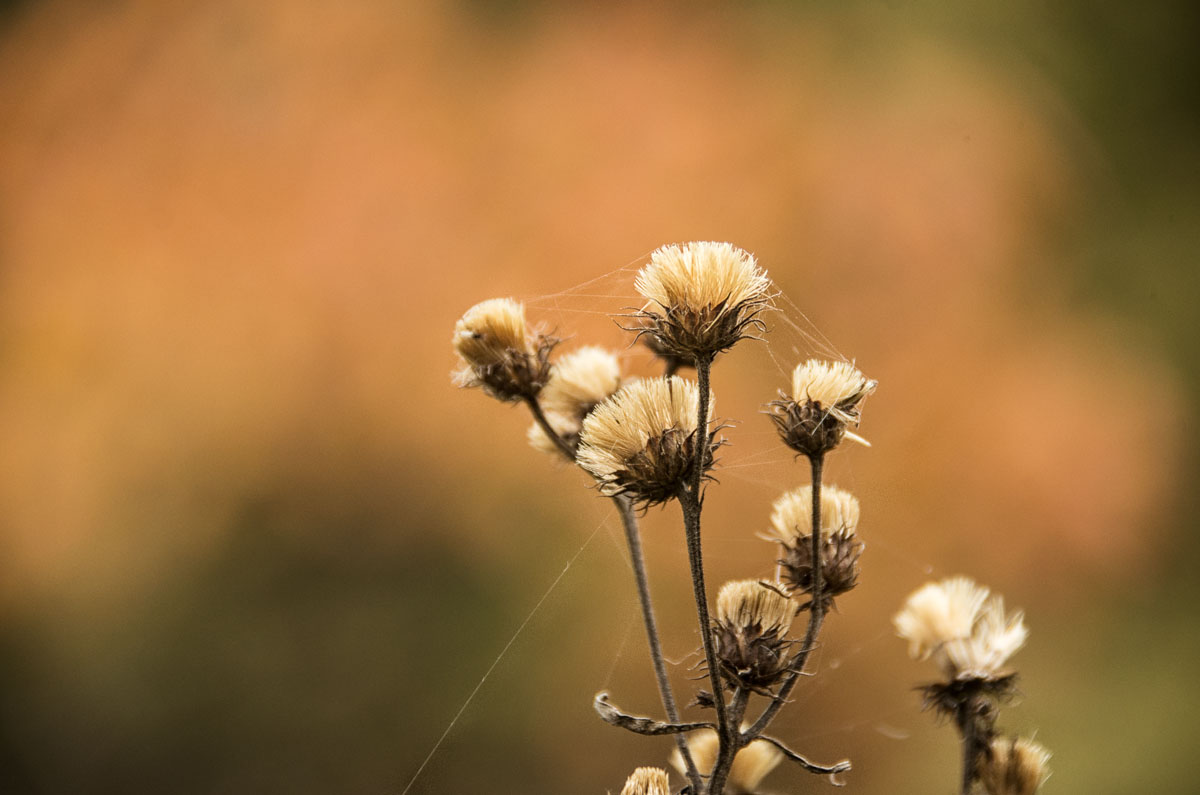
580 380
639 440
488 330
750 603
995 637
647 781
939 612
750 766
702 275
1014 766
838 387
791 514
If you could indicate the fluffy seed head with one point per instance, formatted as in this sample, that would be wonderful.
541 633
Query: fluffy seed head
702 298
498 353
647 781
939 612
995 637
580 380
639 441
752 620
750 766
750 603
791 514
826 397
1014 766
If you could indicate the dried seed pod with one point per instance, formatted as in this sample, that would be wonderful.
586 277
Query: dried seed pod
640 441
703 298
1014 766
498 352
826 397
579 381
647 781
750 633
791 525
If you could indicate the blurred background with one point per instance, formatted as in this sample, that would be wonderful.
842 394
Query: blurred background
253 540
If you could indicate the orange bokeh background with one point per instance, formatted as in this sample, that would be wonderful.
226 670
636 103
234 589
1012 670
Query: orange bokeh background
254 539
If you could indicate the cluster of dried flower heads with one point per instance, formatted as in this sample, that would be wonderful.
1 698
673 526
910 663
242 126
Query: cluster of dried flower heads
965 630
651 441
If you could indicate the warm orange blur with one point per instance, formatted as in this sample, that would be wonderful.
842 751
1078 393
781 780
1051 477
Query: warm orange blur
236 236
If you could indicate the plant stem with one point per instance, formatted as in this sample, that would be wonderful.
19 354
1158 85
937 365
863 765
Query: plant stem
690 503
633 537
634 540
734 743
968 724
816 613
540 419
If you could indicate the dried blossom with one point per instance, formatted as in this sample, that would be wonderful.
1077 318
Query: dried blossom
840 548
826 398
1014 766
703 298
647 781
499 353
639 442
750 766
750 633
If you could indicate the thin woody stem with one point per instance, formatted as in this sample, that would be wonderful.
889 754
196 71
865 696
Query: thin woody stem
816 611
633 537
730 747
690 503
540 418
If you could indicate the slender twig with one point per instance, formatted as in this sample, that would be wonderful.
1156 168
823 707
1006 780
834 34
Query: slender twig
633 537
816 611
638 724
811 767
729 748
972 738
690 502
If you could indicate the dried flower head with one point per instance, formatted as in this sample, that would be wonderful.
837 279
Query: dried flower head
703 298
995 637
647 781
939 612
791 514
498 352
1014 766
840 548
580 380
749 633
640 441
750 766
826 397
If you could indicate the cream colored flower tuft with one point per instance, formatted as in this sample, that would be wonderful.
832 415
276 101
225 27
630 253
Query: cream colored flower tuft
750 766
580 380
703 298
498 352
1014 766
647 781
791 515
826 397
937 613
995 637
838 387
750 603
639 441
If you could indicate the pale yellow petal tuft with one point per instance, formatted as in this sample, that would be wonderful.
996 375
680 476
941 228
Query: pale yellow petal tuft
750 766
703 275
746 603
791 515
647 781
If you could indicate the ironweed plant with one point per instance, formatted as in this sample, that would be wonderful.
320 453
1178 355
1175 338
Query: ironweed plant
651 441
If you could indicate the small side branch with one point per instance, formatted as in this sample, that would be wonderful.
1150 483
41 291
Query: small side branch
811 767
638 724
